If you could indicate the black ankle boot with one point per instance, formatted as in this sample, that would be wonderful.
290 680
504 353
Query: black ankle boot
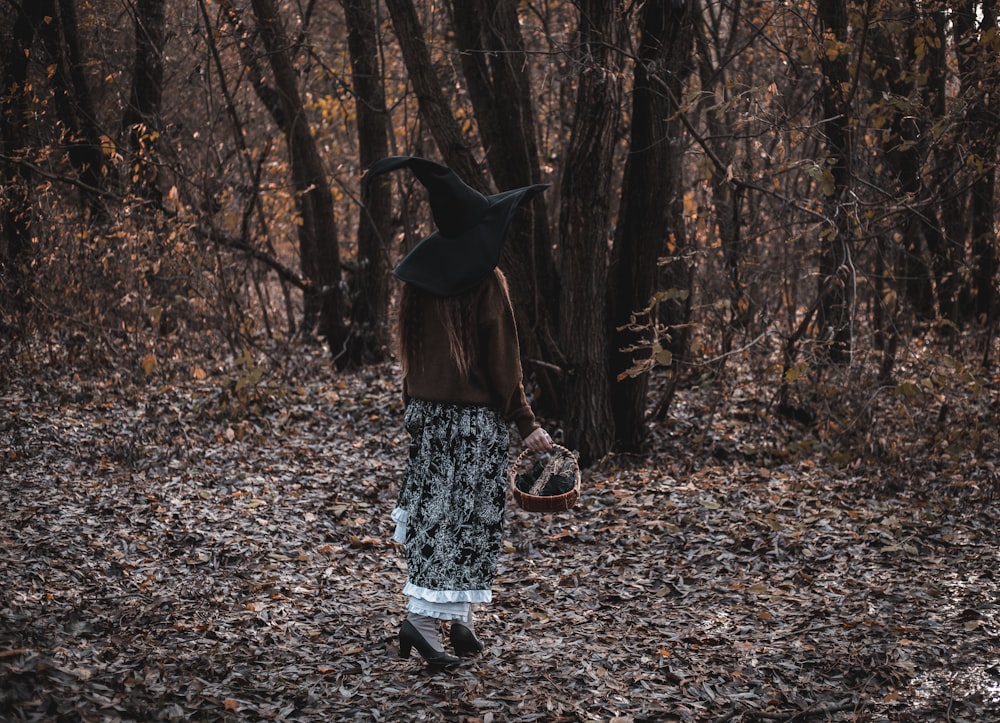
410 637
464 641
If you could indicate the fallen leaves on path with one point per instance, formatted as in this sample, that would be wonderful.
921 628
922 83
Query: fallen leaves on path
176 553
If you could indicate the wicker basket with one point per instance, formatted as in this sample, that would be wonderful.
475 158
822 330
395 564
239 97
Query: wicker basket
560 461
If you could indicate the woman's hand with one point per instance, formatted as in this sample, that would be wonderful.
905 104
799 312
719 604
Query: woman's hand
538 441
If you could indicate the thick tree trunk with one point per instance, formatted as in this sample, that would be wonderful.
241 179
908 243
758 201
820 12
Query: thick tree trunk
318 243
368 340
585 226
495 66
647 230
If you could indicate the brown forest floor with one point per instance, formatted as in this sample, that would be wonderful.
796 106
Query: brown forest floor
180 551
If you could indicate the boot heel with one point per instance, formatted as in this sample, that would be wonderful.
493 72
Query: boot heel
410 637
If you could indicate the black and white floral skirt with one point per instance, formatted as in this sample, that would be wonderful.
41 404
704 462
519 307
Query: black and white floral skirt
450 509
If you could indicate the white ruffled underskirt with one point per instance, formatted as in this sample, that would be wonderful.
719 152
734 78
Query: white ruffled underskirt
400 517
442 604
446 597
441 611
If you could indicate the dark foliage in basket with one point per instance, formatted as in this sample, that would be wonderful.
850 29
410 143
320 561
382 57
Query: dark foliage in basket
557 484
526 480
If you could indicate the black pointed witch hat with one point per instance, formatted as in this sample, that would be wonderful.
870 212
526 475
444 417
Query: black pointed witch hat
471 227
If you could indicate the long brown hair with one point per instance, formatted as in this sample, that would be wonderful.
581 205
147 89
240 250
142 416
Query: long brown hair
457 314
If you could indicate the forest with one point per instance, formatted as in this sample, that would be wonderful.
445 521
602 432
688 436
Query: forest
758 301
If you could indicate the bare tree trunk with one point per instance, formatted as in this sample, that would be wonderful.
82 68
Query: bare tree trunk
368 340
318 243
142 118
900 149
943 254
727 196
585 226
646 230
451 142
252 169
15 177
835 314
980 89
494 65
73 106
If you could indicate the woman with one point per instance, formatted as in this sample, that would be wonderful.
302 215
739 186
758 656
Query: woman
463 388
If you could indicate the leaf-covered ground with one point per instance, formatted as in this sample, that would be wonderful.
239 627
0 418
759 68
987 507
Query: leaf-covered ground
219 550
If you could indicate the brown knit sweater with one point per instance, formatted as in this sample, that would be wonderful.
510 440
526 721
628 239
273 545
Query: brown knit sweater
495 379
